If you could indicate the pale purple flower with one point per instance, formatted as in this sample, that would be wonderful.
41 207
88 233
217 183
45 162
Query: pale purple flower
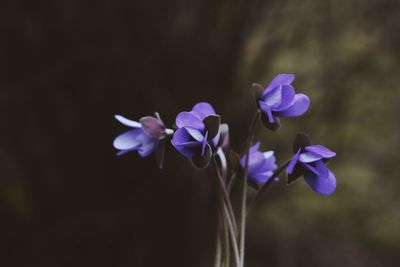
261 165
197 133
144 136
309 161
280 100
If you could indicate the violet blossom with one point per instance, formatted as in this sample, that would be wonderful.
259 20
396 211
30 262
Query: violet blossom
144 137
198 133
261 165
279 99
310 161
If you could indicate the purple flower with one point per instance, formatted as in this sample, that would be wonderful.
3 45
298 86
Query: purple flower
144 136
280 100
309 161
198 132
261 165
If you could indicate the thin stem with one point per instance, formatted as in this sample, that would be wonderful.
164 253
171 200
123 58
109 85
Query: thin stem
233 238
266 185
244 191
217 262
231 214
226 245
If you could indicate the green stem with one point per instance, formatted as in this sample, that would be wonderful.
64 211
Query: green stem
244 191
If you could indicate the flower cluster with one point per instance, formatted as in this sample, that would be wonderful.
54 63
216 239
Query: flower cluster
199 135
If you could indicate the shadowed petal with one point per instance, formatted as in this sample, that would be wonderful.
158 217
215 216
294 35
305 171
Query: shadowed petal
321 150
187 119
203 109
128 140
127 122
323 186
281 79
300 105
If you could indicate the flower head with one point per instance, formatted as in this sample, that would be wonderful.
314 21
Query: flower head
309 161
261 165
198 133
279 99
144 137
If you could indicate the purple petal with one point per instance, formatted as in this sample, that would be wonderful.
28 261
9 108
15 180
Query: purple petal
187 119
181 142
147 148
300 105
274 97
281 79
293 162
307 157
287 98
323 186
323 171
254 147
127 122
256 160
196 134
269 162
261 177
203 109
128 140
321 150
267 111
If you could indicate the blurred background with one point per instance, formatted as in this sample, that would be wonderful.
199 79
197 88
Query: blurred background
66 67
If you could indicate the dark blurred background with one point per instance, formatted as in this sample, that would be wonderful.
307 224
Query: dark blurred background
66 67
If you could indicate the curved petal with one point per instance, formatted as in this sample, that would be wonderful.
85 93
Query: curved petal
300 105
307 157
180 136
287 98
274 97
128 140
147 148
293 162
196 134
321 150
187 119
254 147
203 109
127 122
280 79
323 186
269 162
256 160
261 177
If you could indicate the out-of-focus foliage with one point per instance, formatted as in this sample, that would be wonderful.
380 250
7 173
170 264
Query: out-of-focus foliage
66 67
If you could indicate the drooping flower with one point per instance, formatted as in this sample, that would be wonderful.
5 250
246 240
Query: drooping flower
145 136
279 99
310 161
199 131
261 164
